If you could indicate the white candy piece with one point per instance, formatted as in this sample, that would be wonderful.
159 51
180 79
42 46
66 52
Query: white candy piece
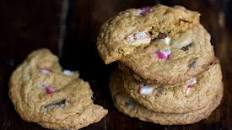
192 81
188 87
184 40
166 40
146 90
68 72
139 38
45 71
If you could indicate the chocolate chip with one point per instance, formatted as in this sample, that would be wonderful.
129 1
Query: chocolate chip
192 63
183 20
162 36
59 104
129 103
186 48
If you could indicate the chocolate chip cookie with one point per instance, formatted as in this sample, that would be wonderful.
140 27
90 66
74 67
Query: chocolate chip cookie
160 44
130 107
122 34
183 97
45 94
178 60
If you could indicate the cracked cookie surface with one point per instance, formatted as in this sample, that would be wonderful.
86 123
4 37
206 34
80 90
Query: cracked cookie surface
44 93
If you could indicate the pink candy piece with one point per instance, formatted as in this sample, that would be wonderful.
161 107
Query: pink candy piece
163 54
190 84
145 10
45 71
188 90
49 89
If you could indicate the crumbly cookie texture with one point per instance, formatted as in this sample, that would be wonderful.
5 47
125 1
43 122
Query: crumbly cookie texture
172 60
45 94
132 28
130 107
183 97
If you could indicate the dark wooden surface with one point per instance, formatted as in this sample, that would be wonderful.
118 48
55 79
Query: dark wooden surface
69 28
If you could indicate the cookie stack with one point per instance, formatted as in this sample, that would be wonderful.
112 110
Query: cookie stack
168 73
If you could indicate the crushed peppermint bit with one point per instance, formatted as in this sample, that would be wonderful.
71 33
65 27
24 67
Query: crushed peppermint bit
145 10
189 85
163 54
188 91
146 90
45 71
59 104
191 82
49 89
139 38
68 72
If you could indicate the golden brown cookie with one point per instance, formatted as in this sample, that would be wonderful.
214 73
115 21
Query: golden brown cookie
159 44
122 34
45 94
184 57
183 97
130 107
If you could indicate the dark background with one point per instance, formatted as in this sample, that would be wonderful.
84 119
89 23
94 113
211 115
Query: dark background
69 28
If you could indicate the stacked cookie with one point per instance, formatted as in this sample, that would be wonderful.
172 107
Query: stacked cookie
168 73
45 94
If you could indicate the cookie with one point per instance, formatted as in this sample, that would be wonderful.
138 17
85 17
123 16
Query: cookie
121 35
183 97
184 57
45 94
128 106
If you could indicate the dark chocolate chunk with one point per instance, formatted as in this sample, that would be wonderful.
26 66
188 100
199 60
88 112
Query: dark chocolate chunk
162 36
186 48
192 63
59 104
